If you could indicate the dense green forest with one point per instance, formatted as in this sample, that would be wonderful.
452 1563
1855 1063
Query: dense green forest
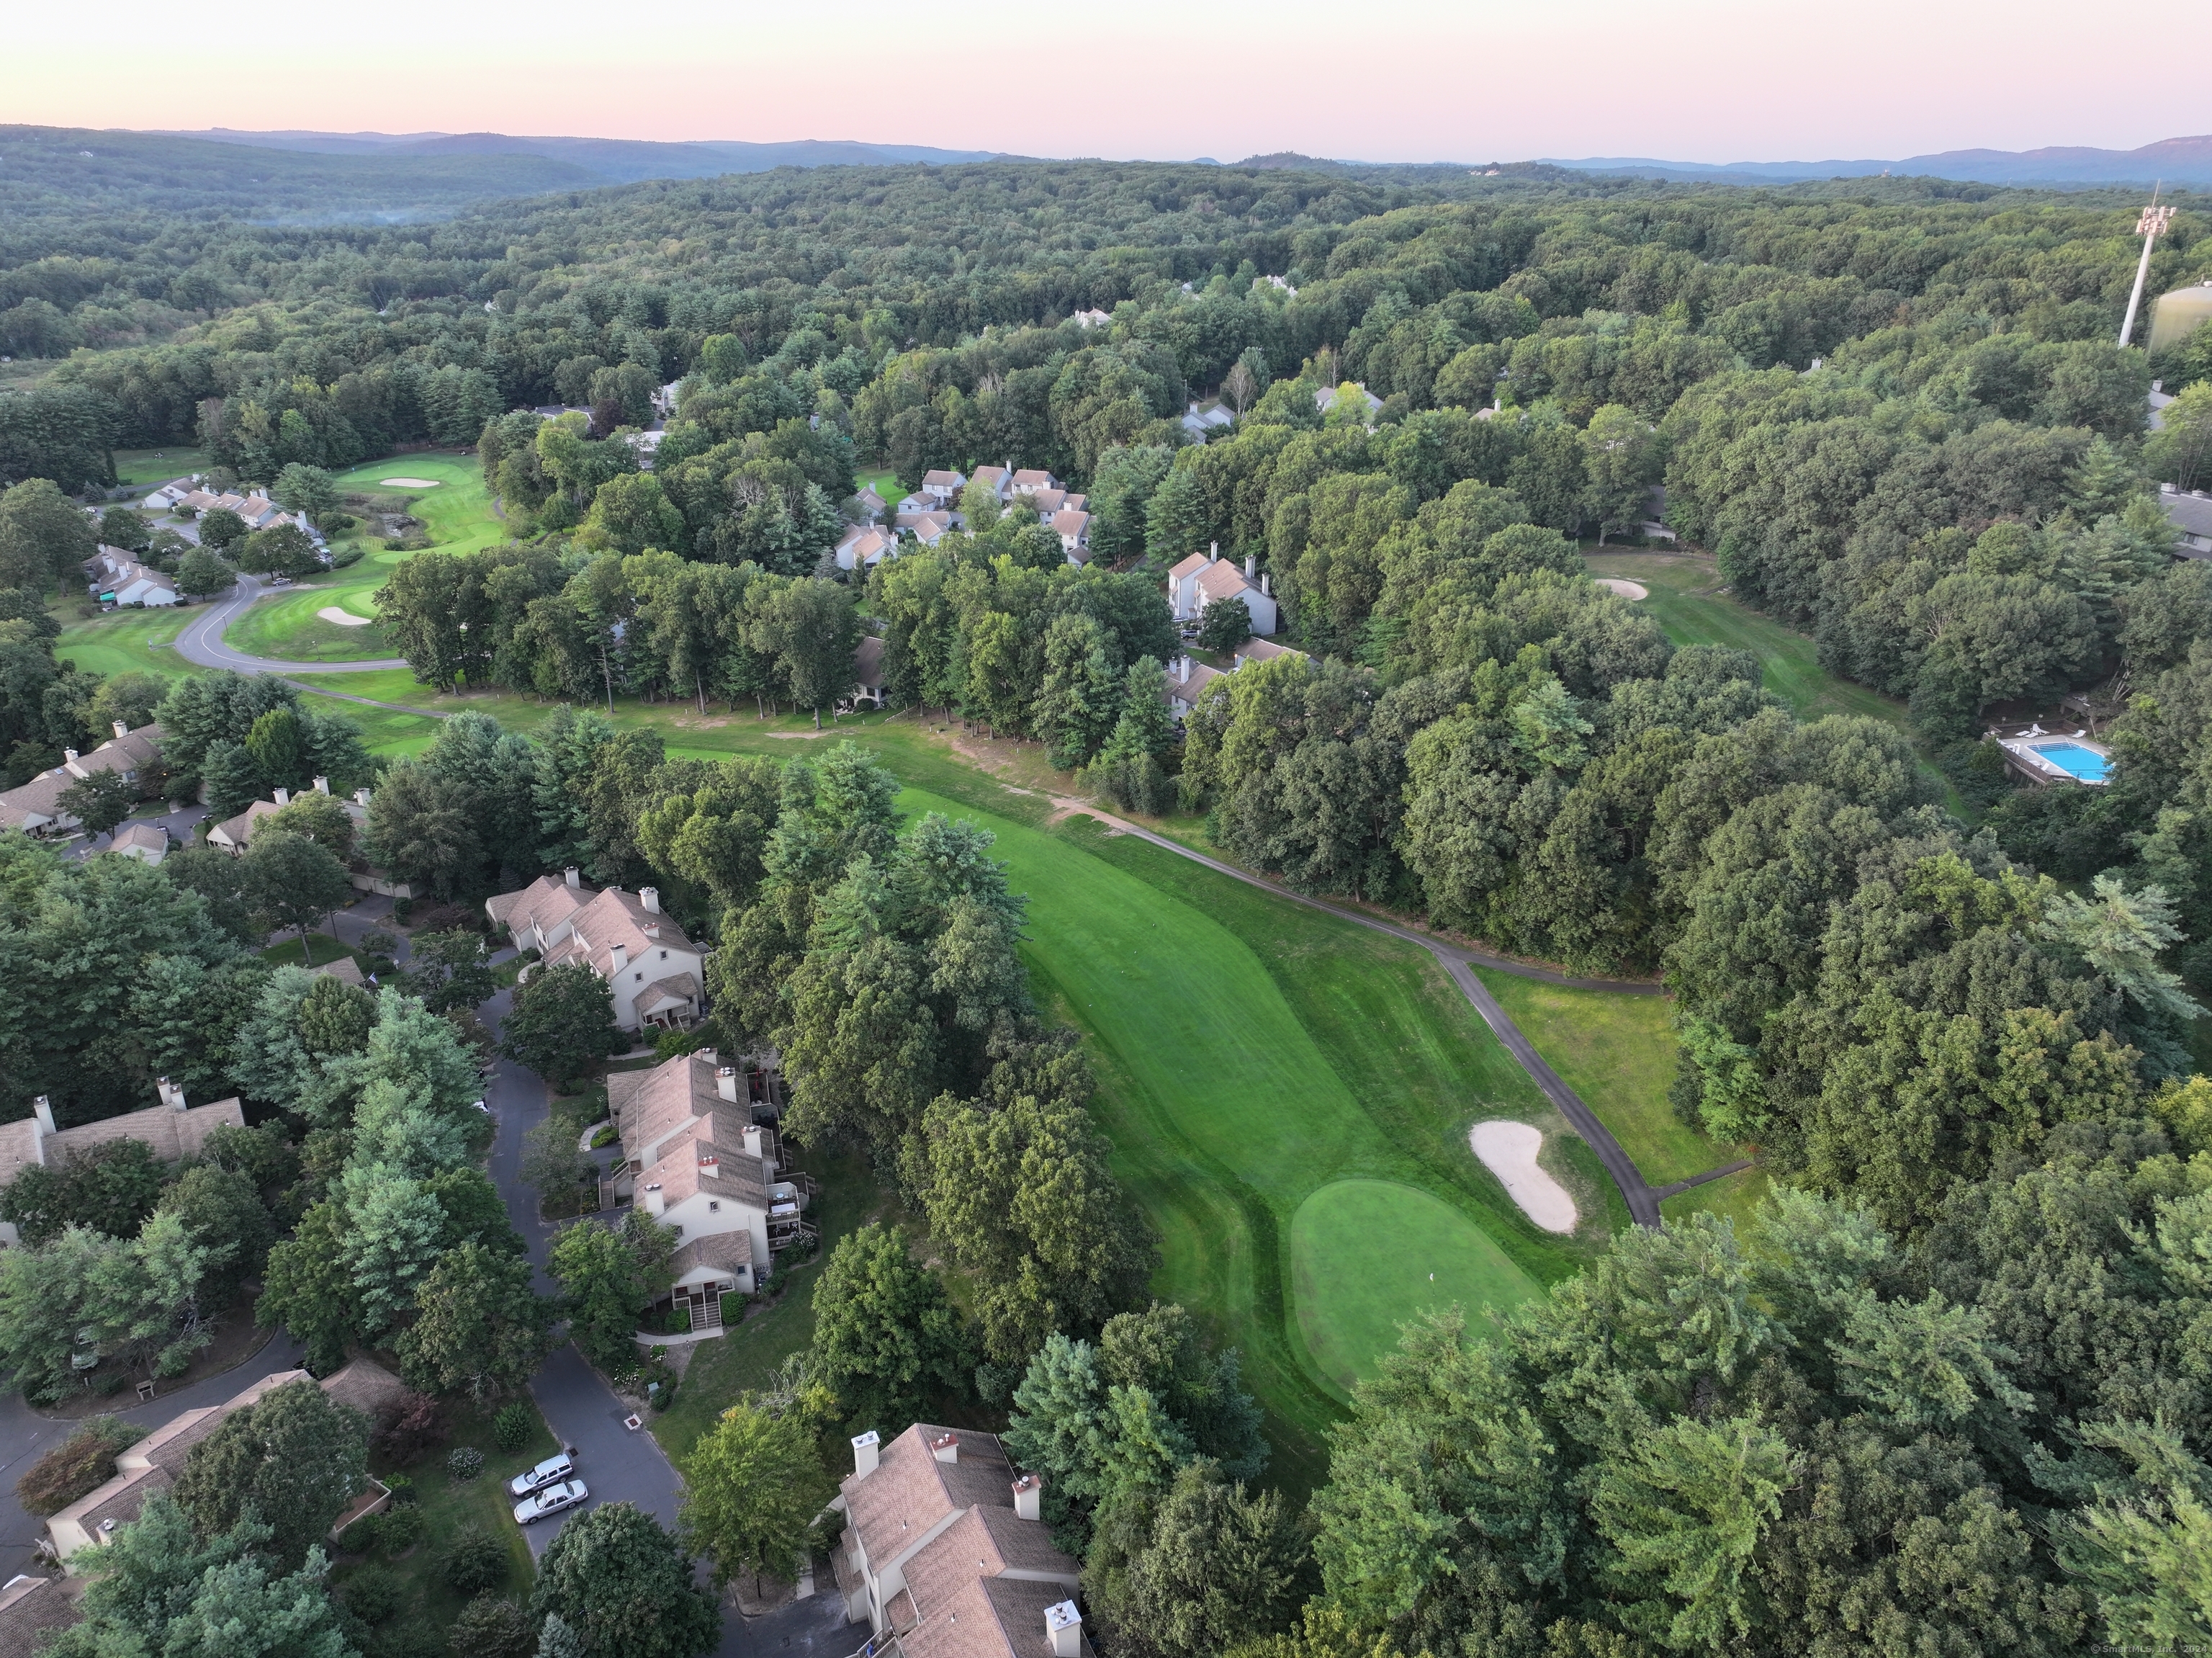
1950 1393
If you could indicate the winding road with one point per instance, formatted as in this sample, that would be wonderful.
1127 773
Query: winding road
201 641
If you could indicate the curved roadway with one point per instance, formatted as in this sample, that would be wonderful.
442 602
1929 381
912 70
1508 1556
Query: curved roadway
201 641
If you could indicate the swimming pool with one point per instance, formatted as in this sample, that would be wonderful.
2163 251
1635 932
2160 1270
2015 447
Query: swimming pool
2075 761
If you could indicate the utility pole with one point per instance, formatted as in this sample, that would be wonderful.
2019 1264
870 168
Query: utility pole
2154 220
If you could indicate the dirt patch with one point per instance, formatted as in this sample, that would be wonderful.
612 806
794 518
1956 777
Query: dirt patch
1626 588
237 1338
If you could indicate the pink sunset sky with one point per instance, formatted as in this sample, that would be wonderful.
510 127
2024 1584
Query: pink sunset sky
1385 80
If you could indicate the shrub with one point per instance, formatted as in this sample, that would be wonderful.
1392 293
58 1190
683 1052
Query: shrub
733 1306
108 1383
77 1467
604 1137
465 1463
402 1489
679 1321
410 1428
513 1426
491 1626
363 1535
371 1594
663 1395
474 1561
399 1529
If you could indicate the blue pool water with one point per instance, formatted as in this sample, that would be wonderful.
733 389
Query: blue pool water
2071 757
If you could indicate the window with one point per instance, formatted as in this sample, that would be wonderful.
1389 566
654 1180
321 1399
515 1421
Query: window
638 978
663 955
677 1230
714 1205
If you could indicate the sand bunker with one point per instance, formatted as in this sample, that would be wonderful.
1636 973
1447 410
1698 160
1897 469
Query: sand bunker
342 617
1614 584
1509 1151
407 483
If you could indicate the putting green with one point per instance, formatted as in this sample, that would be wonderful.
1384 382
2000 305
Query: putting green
1367 1256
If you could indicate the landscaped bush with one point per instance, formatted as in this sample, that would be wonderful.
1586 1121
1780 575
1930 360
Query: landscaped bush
76 1468
679 1320
402 1489
411 1428
363 1536
398 1530
512 1426
371 1594
733 1306
465 1463
474 1561
491 1626
606 1137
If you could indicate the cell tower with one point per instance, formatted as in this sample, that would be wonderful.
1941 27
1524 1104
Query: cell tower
2154 220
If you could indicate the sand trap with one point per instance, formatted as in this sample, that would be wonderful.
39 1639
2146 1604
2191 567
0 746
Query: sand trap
342 617
1509 1151
407 483
1626 589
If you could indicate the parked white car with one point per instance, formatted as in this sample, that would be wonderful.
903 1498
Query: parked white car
553 1468
552 1500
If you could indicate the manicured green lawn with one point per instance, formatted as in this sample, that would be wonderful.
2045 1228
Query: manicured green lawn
126 641
324 949
1687 598
1251 1052
152 467
1368 1256
1617 1051
458 516
1733 1195
885 484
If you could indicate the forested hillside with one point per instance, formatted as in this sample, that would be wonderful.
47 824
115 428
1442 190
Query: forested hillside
1950 1393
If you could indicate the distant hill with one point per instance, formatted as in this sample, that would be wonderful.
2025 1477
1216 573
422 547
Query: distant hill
610 160
2177 160
67 173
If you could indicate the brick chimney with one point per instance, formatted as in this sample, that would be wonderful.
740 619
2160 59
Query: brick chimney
648 899
945 1447
866 1448
172 1095
1063 1626
1028 1498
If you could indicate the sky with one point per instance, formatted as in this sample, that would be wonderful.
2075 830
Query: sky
1375 80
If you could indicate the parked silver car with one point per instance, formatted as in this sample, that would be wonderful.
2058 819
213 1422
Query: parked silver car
549 1500
553 1468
